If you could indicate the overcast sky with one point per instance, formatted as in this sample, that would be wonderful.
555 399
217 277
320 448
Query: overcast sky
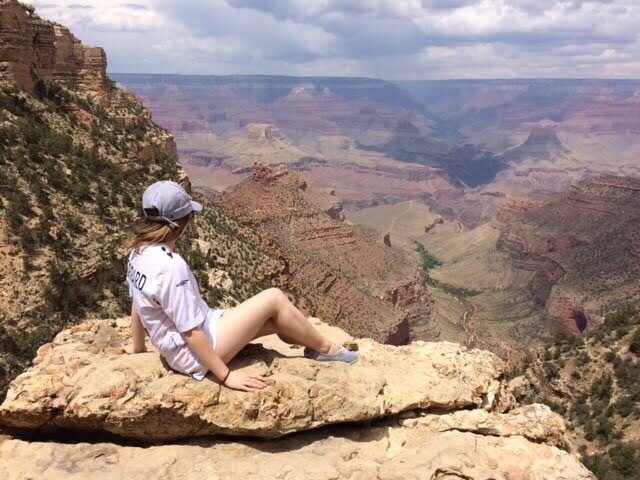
391 39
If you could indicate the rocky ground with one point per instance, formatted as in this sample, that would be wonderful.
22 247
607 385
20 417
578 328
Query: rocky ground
425 410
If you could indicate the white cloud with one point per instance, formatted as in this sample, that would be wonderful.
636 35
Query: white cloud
384 38
138 16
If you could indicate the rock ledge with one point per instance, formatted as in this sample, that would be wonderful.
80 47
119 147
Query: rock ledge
82 381
448 415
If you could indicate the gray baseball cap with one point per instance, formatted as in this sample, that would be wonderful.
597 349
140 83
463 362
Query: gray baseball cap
166 201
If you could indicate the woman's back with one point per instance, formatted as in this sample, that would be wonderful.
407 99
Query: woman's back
166 296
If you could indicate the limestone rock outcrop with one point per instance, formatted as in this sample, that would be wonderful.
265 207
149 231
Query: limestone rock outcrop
536 422
32 48
82 381
384 453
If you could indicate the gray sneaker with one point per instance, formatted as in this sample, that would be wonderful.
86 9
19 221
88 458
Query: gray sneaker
343 355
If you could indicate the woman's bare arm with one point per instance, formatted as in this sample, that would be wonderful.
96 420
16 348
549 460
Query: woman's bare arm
201 346
137 334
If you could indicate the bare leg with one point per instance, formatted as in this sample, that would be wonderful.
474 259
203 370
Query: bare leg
270 311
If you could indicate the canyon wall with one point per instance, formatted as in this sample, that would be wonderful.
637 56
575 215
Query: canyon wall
350 277
33 49
581 247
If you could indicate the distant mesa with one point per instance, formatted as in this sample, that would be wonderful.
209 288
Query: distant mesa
306 89
202 159
264 131
541 144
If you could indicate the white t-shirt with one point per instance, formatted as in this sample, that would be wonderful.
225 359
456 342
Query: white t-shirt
166 296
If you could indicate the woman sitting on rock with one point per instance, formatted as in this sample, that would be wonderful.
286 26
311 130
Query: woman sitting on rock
166 302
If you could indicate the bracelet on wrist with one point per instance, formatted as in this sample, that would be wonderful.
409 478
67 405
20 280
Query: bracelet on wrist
226 376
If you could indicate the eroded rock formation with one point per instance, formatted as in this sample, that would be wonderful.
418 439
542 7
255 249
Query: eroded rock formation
32 48
347 274
577 243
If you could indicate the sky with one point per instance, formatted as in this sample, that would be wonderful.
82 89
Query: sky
389 39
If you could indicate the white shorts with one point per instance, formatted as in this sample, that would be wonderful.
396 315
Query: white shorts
210 323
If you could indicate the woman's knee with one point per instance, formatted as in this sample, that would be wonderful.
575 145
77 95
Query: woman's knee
276 295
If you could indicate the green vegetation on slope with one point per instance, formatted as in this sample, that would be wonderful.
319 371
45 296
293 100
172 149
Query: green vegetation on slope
428 262
594 383
71 176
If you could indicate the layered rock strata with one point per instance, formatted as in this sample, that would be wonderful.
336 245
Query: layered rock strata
581 247
347 274
32 48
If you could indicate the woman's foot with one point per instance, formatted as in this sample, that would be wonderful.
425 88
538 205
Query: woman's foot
337 354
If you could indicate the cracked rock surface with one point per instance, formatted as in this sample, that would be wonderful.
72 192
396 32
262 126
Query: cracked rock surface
82 381
440 410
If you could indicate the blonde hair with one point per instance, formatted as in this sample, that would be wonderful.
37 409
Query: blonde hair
147 232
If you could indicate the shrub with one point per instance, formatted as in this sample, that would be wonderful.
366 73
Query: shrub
634 346
624 406
427 261
601 388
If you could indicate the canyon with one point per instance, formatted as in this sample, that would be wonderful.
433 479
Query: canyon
543 266
379 142
407 216
348 276
459 166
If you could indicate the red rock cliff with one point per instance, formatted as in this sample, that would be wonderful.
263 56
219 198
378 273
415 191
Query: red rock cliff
350 277
32 48
581 246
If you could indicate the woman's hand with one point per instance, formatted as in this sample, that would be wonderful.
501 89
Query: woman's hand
246 382
131 349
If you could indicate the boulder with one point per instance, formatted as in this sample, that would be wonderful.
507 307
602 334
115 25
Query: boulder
83 381
443 412
536 422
